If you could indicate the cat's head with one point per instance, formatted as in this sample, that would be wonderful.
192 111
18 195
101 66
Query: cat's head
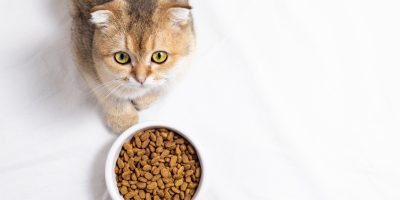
139 45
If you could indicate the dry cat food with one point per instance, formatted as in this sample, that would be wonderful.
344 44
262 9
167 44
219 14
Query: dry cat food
158 164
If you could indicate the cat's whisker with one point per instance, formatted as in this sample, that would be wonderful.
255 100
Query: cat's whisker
101 89
102 86
109 92
115 89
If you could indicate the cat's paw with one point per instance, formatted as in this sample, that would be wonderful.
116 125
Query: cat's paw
141 106
120 123
146 101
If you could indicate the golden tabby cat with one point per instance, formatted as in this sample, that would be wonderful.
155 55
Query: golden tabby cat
130 50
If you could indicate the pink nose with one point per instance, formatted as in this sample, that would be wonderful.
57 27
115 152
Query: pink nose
141 79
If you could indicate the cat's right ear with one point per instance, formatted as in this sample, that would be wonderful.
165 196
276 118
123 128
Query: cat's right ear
180 15
101 18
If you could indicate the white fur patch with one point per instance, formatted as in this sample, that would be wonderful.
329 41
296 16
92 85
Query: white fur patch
101 17
179 16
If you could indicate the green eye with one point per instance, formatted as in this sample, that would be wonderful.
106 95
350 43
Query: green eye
159 57
122 58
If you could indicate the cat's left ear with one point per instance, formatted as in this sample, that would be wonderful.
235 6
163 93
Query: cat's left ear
101 18
180 16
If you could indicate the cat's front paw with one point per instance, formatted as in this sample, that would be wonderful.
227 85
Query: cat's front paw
120 123
141 106
146 101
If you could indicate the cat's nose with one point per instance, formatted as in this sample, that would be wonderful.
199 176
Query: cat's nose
141 79
140 73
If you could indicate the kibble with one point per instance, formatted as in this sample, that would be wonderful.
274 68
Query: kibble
158 164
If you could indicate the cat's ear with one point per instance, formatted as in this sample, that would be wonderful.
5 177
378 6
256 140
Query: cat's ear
101 18
180 16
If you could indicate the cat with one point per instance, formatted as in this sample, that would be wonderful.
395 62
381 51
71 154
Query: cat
129 51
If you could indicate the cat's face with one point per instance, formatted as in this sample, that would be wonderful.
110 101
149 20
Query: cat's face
139 49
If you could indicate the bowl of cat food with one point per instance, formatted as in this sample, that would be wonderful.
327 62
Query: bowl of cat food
154 161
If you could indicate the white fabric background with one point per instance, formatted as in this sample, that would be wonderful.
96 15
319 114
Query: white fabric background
288 100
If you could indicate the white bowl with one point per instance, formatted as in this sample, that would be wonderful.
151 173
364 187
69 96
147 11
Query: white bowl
127 136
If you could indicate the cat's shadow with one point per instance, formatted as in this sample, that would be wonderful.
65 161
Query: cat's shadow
63 89
51 70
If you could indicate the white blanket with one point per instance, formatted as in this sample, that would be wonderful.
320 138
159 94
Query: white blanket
287 99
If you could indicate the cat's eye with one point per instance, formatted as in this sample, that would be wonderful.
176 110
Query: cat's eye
122 58
159 57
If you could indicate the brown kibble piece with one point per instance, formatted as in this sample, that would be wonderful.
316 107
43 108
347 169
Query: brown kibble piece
178 182
153 137
183 147
170 184
125 183
176 197
167 194
140 153
165 153
172 163
152 186
165 172
159 142
148 176
180 170
120 163
170 136
184 186
137 197
145 144
156 171
138 142
180 141
185 159
130 153
137 172
147 168
142 179
116 169
148 196
141 185
198 173
142 194
134 177
164 135
192 185
123 190
126 175
189 173
160 184
145 136
174 189
182 195
159 193
178 150
129 195
128 146
170 144
191 149
155 160
159 149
